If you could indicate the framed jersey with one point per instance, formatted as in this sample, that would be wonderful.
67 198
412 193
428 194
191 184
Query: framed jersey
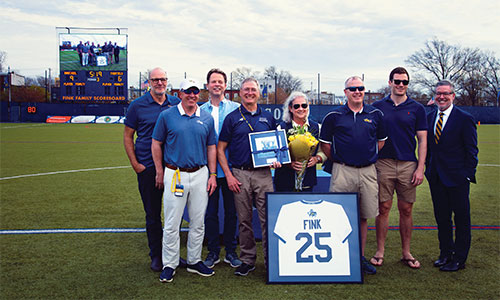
313 238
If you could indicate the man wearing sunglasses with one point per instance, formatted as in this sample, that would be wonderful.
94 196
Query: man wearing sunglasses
141 118
219 107
398 168
351 137
184 144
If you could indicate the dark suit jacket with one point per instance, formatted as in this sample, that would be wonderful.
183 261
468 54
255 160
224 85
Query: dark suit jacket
454 159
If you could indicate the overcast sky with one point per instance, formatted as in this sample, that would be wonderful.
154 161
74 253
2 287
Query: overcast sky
334 38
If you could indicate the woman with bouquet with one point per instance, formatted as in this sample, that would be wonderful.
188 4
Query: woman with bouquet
302 134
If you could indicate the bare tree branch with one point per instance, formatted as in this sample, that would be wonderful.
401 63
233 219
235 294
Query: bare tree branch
475 73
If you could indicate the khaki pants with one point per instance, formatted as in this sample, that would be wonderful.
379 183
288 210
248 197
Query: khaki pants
363 181
395 175
254 185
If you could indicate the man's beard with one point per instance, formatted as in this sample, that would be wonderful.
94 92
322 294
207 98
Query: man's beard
158 93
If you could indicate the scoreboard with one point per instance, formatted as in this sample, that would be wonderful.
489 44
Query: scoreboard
93 65
94 86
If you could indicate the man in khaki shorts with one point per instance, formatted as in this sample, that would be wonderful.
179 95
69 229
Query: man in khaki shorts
398 168
351 137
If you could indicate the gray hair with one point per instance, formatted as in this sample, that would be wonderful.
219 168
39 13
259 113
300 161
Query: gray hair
446 82
250 79
351 79
287 114
156 69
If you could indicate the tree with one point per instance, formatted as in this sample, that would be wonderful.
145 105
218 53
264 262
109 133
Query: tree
286 82
37 81
439 61
474 72
241 74
492 76
284 79
412 92
26 94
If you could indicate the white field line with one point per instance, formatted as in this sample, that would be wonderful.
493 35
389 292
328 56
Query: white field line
26 126
62 172
76 230
121 167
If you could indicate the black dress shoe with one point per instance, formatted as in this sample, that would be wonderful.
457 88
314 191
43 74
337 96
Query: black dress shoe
452 266
442 261
156 264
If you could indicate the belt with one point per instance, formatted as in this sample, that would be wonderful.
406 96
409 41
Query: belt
243 167
353 166
189 170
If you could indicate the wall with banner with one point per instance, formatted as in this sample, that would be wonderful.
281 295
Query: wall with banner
38 112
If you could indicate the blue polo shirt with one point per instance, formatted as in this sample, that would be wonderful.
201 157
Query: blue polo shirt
235 132
402 123
225 107
185 138
353 136
141 116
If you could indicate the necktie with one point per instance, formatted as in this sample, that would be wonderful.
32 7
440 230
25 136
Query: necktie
439 128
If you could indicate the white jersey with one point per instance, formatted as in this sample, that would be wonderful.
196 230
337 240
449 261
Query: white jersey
313 239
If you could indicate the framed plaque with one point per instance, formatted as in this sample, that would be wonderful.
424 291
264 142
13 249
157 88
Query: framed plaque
268 147
313 238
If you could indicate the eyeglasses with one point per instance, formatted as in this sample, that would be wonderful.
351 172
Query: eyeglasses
191 91
156 80
398 82
355 88
303 105
444 94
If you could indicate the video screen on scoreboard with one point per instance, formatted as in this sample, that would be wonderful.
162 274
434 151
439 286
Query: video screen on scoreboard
93 52
93 67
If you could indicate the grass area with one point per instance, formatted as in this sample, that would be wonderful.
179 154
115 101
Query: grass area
116 265
71 61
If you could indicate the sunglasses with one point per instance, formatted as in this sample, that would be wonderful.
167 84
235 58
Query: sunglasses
156 80
355 88
303 105
444 94
191 91
398 82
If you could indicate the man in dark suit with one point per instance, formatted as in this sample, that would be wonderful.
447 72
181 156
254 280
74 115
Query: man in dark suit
451 166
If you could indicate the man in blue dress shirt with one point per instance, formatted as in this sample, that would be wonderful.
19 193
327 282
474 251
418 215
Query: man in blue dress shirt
219 107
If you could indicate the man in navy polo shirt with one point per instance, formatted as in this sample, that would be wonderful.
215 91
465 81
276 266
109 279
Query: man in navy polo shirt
141 118
397 167
184 142
247 183
351 137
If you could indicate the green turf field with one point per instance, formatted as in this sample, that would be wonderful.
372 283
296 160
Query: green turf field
116 265
70 61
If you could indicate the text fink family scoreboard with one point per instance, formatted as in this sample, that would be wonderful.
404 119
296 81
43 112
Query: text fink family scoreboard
93 86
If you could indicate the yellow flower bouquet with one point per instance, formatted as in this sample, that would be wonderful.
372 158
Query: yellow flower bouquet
302 145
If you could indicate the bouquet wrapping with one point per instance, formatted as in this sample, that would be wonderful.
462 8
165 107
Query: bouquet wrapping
302 145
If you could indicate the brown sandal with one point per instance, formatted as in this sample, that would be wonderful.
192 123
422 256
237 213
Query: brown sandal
377 261
413 262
